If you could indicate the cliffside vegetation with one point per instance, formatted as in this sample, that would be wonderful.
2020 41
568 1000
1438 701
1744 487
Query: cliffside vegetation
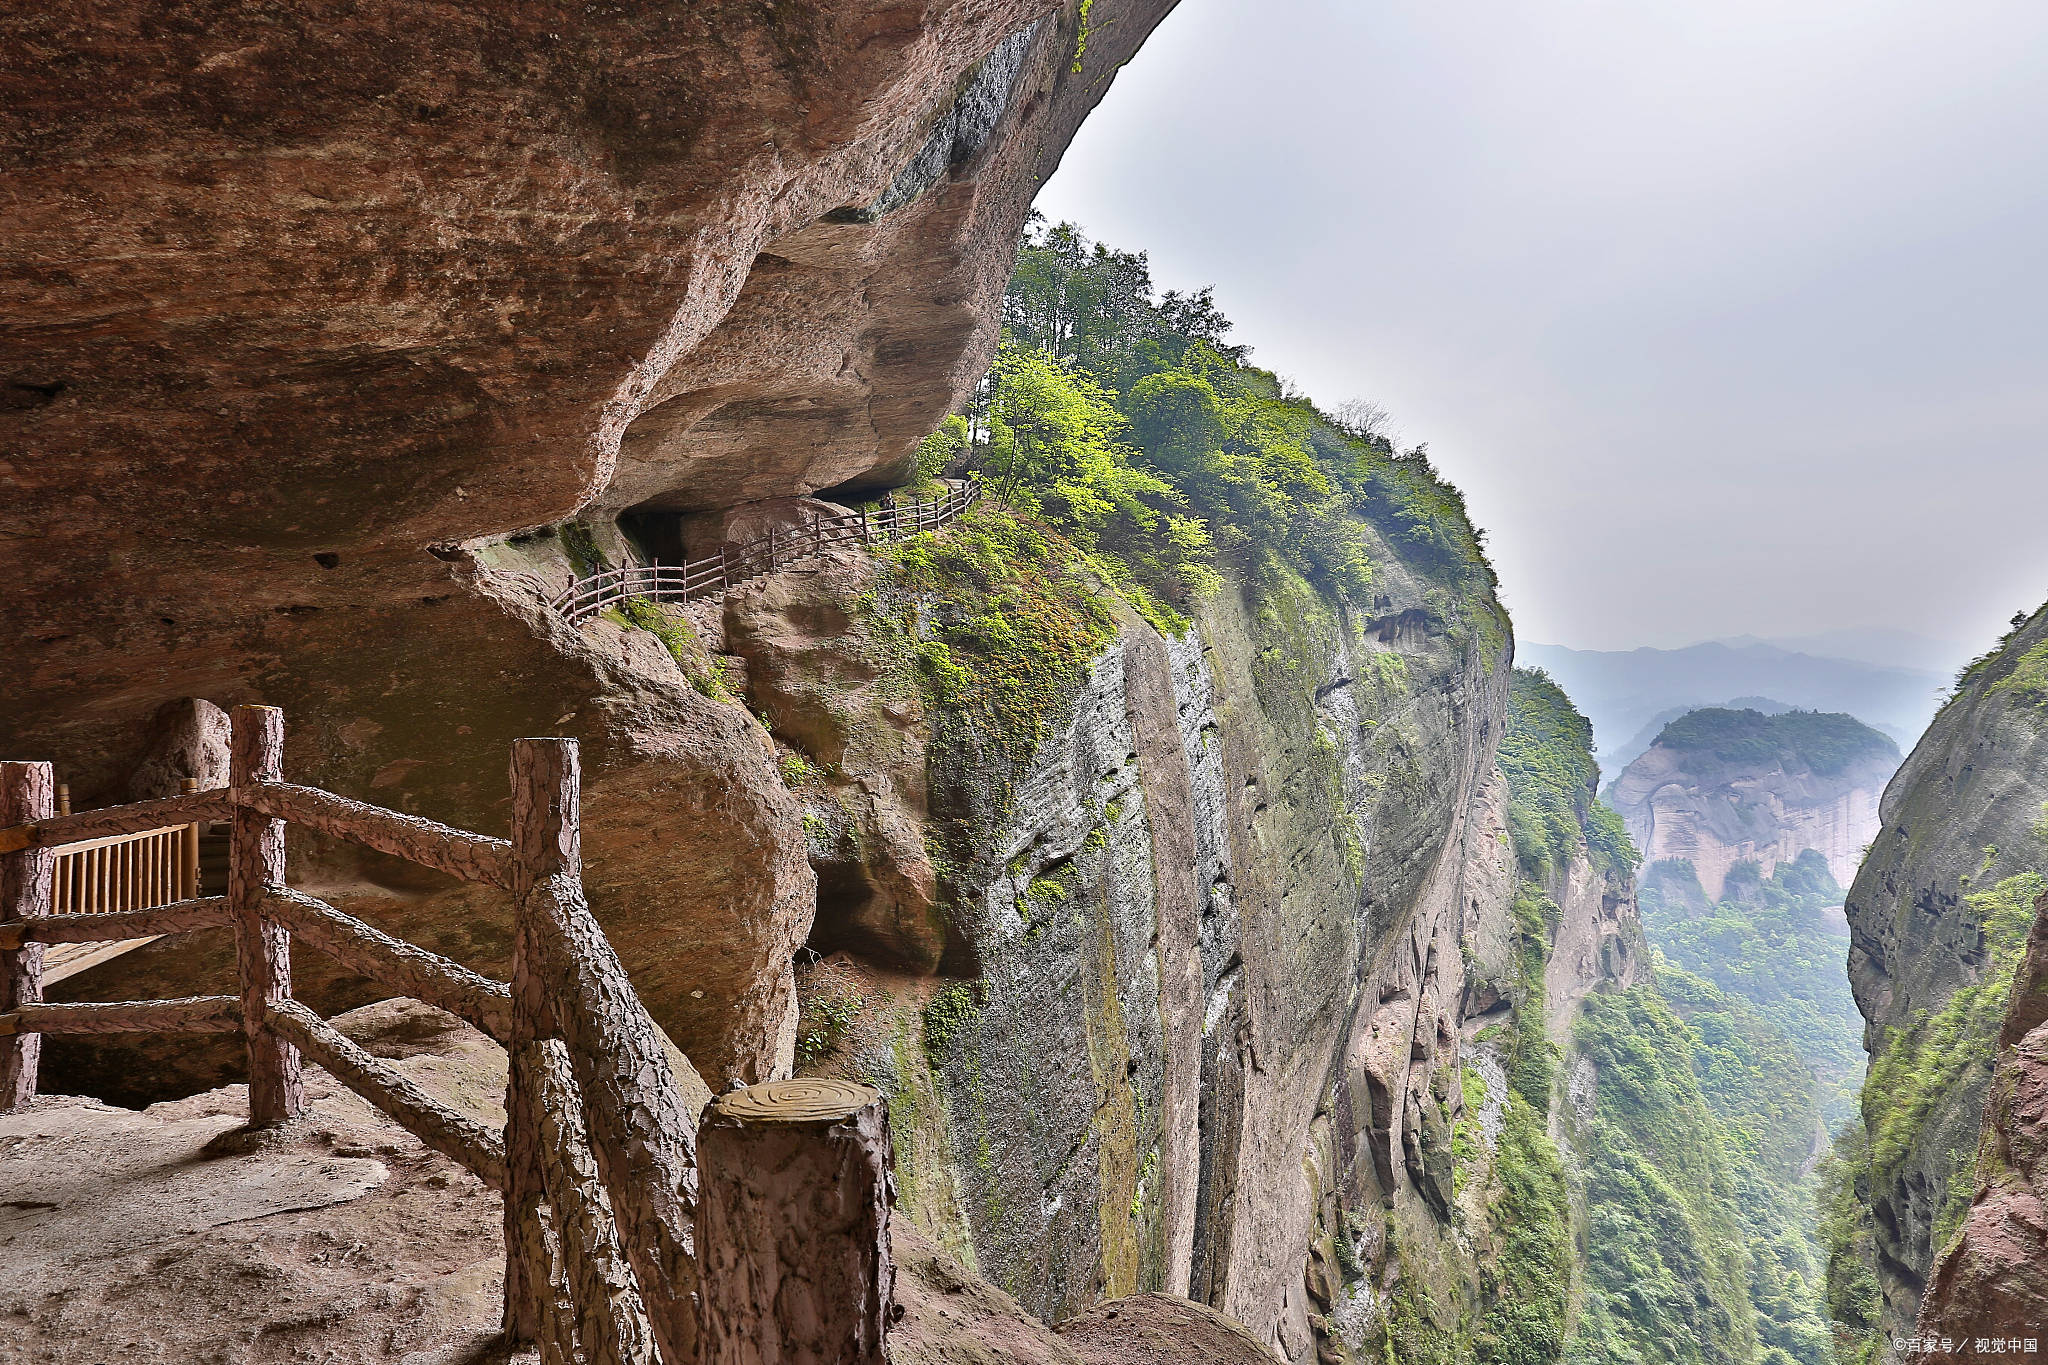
1921 1064
1126 421
1546 757
1546 754
1769 942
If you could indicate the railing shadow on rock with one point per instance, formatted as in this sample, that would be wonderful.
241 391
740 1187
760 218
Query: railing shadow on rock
597 1160
737 563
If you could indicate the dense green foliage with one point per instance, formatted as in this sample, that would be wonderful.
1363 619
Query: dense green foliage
1127 423
1825 742
1769 942
1696 1249
1528 1285
1547 756
1843 1229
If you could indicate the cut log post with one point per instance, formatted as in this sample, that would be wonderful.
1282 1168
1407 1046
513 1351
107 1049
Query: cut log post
263 949
188 850
639 1129
611 1324
793 1225
530 1260
27 793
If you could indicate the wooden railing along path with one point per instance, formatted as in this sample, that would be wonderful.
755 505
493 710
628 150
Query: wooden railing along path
714 574
596 1162
607 1259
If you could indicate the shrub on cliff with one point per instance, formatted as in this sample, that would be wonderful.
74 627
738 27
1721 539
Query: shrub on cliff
1245 467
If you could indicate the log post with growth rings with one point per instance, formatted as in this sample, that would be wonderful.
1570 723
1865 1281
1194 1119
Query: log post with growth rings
793 1225
263 948
27 793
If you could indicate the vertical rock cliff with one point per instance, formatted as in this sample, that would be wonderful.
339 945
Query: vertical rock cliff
1939 916
1154 939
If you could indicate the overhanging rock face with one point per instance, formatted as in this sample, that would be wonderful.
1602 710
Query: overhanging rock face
295 295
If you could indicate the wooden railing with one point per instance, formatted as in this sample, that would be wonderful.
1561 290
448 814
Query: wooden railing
714 574
127 871
597 1160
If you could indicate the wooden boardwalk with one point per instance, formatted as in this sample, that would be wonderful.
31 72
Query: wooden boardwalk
733 564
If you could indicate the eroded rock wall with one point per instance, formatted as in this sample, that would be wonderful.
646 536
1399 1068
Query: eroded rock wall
1964 814
1181 1008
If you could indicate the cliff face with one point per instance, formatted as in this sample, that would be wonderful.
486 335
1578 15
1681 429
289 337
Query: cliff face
1721 787
1160 962
310 307
1992 1279
1937 914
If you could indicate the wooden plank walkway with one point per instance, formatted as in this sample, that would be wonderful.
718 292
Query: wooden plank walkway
737 563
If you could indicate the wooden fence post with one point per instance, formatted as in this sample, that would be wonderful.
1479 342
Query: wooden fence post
543 817
263 948
793 1225
188 850
26 793
639 1131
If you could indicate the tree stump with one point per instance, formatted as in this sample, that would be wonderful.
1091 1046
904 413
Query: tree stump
793 1225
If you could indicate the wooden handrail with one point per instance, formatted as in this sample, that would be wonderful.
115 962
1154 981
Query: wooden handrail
64 831
194 1014
179 917
472 857
391 962
739 562
456 1136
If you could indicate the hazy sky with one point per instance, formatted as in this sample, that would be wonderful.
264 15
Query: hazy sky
1728 317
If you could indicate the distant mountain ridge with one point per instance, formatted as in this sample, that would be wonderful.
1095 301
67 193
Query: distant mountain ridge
1624 692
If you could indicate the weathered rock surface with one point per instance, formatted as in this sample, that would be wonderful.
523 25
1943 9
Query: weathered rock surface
166 1234
1759 801
325 288
156 1236
1213 931
1992 1280
1960 815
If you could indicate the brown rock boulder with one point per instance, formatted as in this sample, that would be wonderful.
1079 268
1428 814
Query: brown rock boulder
1160 1329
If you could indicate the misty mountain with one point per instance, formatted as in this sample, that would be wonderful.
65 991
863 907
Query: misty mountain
1881 645
1626 692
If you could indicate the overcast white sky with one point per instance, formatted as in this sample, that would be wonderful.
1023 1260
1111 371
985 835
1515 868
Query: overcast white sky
1728 317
